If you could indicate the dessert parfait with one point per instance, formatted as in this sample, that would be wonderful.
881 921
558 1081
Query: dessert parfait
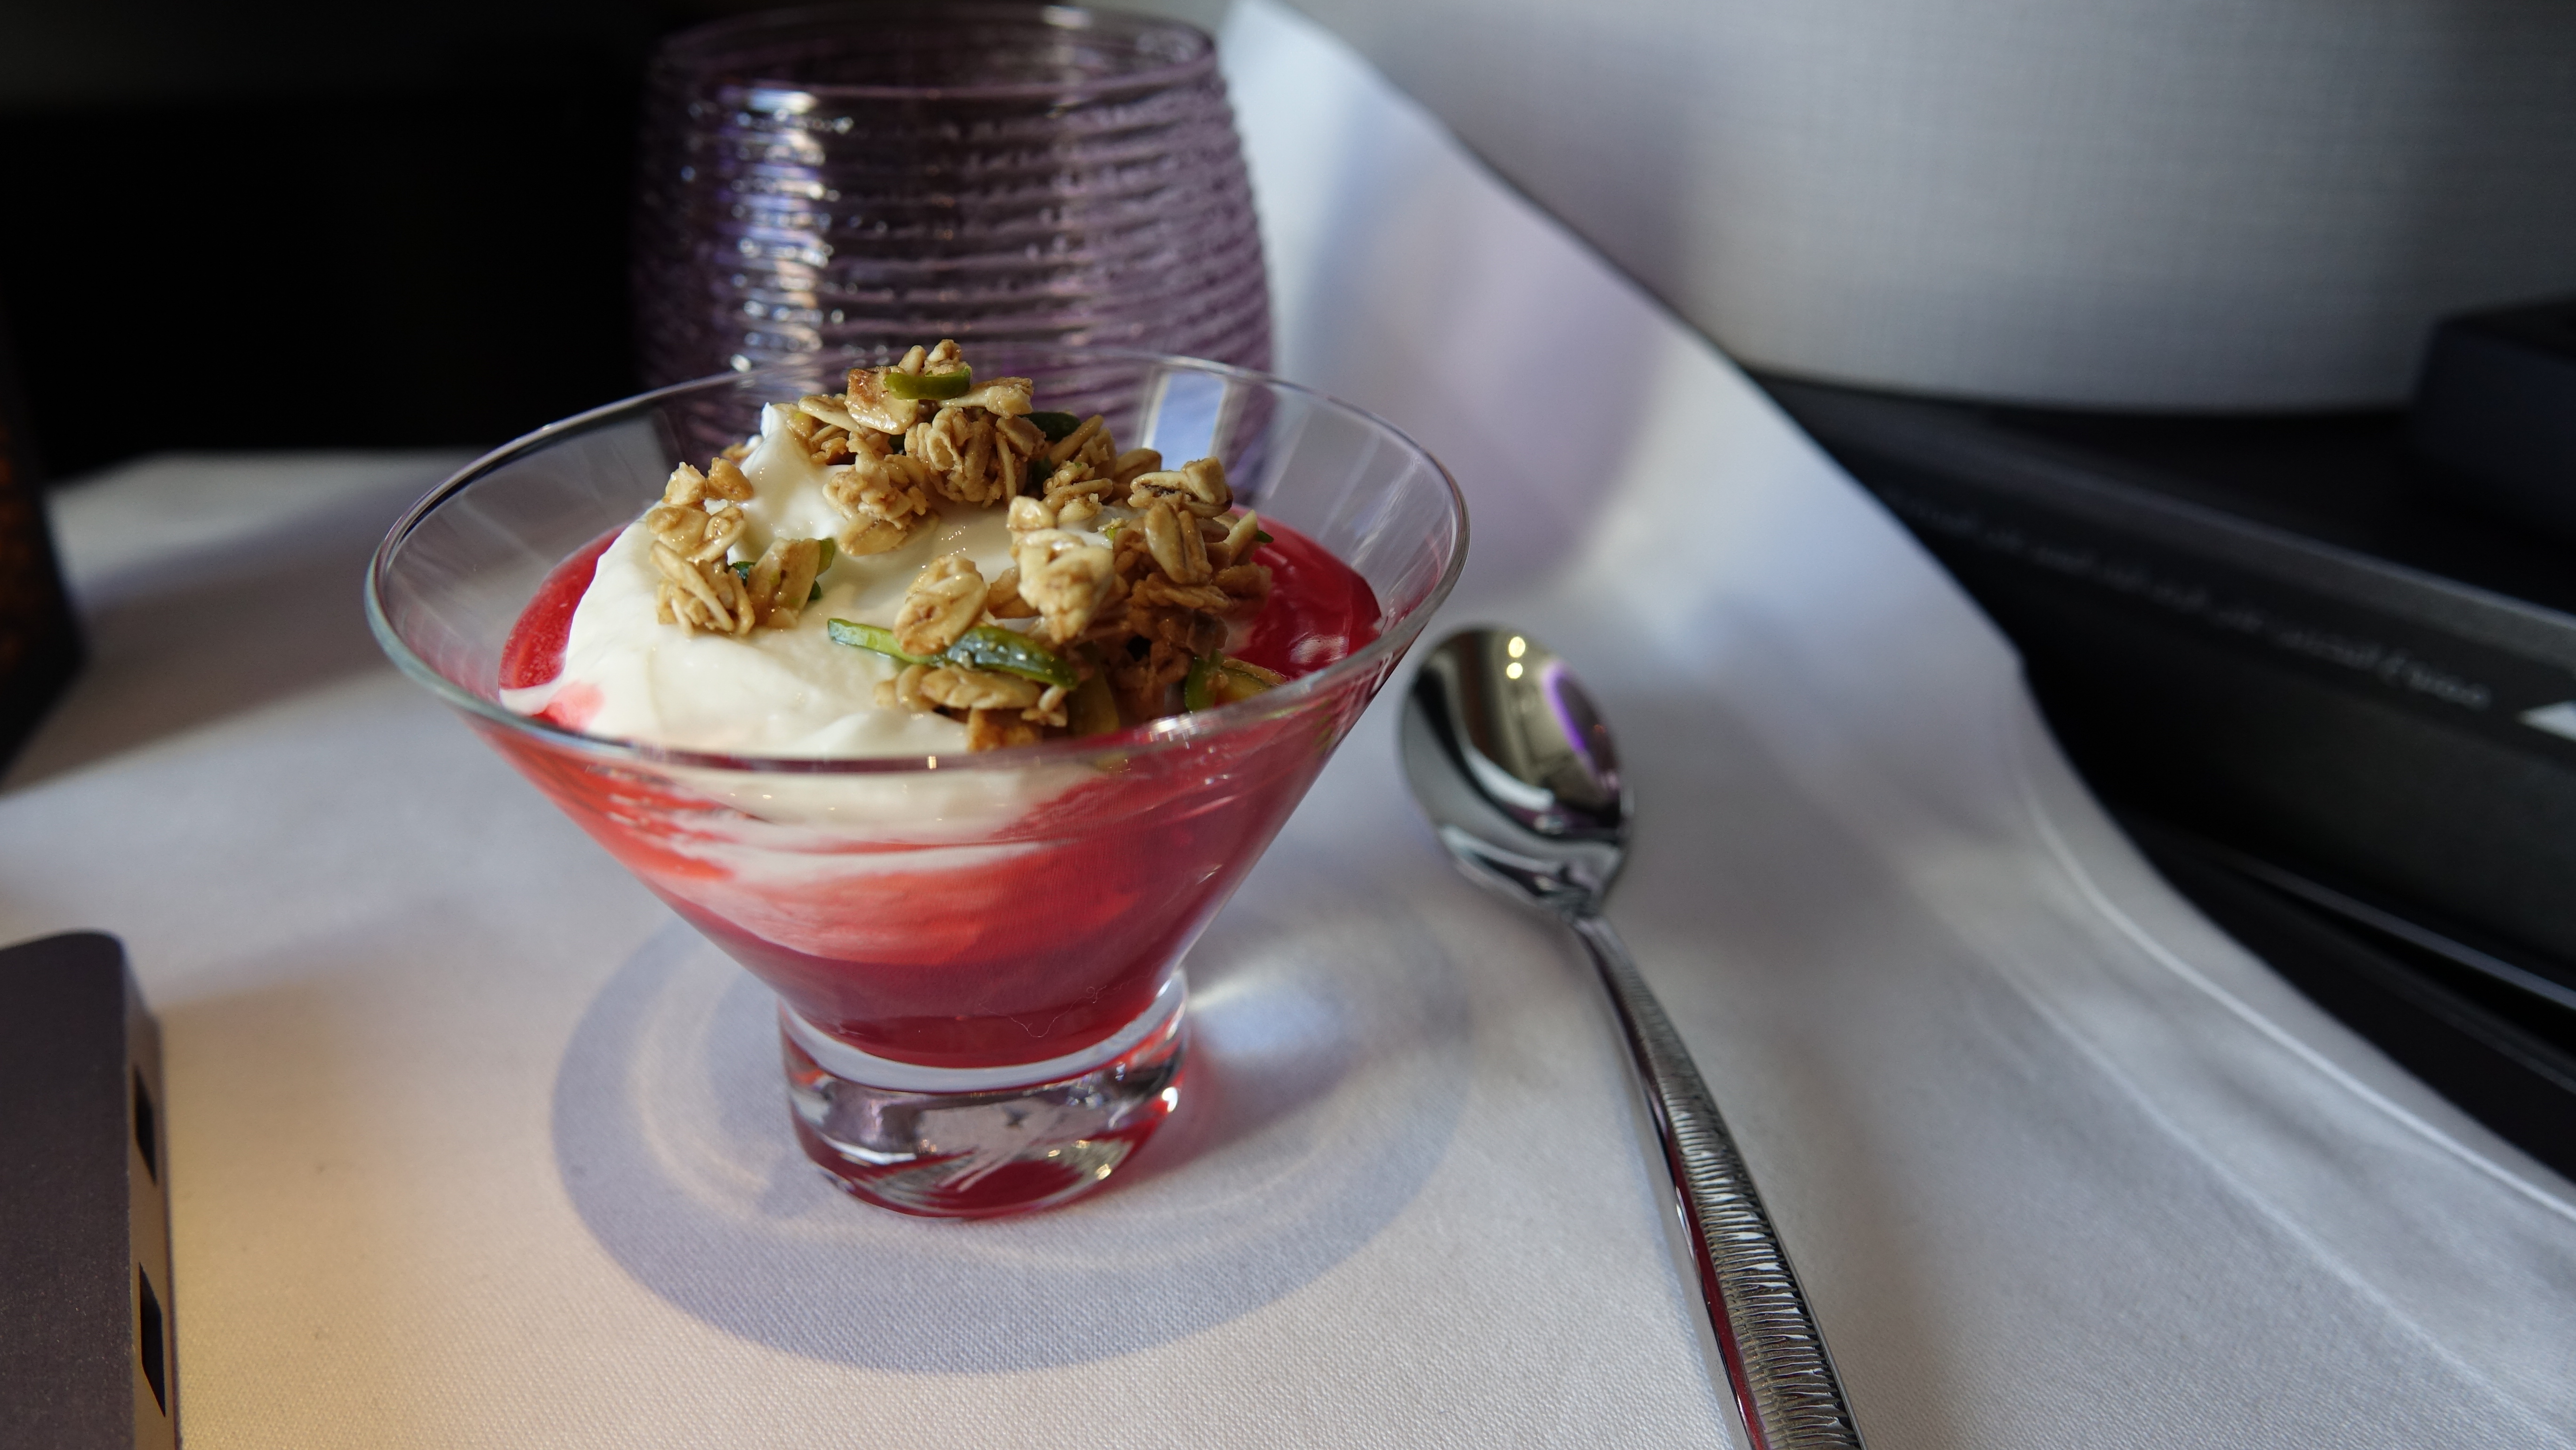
955 721
924 563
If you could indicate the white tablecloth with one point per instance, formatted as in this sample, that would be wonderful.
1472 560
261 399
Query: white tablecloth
473 1144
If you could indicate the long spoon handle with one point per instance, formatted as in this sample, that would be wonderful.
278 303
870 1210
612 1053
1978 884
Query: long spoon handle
1776 1363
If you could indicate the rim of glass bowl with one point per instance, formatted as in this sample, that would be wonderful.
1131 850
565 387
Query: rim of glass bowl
1168 732
745 30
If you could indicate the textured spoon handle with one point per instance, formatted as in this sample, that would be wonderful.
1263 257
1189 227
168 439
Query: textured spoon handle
1776 1364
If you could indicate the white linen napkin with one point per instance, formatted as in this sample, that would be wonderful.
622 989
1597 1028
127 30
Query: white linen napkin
1895 926
472 1144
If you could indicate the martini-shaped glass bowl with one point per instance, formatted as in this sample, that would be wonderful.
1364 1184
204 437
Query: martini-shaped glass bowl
977 956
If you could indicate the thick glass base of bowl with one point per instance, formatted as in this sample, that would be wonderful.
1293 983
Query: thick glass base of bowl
983 1142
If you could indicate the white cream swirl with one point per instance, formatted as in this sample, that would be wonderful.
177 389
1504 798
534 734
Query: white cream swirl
776 692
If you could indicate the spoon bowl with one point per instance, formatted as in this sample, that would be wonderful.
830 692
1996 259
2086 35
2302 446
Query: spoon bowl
1516 769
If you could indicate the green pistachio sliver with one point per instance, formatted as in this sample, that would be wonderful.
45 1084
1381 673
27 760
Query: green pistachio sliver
1092 708
985 647
1195 691
991 647
825 551
872 637
1240 681
936 387
1056 426
1251 675
742 569
1261 537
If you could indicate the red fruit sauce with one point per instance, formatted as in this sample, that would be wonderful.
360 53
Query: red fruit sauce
1014 955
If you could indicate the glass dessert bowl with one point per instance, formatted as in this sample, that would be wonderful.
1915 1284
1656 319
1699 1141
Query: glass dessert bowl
977 951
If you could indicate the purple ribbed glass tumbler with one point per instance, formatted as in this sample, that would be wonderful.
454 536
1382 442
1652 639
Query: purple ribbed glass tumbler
857 179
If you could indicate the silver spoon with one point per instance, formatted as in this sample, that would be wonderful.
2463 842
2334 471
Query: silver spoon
1514 767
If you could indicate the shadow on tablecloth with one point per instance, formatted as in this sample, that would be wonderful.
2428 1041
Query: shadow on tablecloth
1329 1064
211 586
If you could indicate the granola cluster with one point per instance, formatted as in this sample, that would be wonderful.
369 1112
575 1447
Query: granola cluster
1075 636
694 530
885 460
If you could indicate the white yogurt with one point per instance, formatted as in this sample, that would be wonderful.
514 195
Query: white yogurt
775 692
